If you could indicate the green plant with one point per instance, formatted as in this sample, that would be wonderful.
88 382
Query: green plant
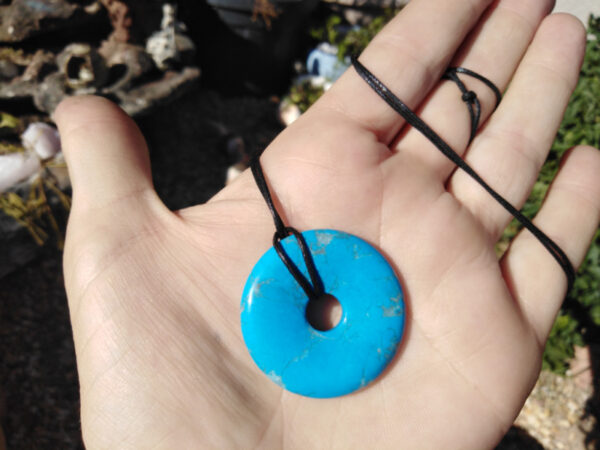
564 335
348 40
355 39
34 212
305 94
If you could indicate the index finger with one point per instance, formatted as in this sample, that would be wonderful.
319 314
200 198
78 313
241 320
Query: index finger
409 55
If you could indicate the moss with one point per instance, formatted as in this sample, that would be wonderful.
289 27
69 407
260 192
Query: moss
9 121
33 211
9 147
304 94
355 39
16 56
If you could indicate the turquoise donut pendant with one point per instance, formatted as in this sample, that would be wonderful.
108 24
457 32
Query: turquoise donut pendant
314 363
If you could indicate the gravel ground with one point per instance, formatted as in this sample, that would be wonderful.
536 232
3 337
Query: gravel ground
555 414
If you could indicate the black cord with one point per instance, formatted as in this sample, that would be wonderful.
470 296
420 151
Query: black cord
413 120
313 288
470 97
259 177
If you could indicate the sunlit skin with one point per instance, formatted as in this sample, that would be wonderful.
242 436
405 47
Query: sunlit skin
154 294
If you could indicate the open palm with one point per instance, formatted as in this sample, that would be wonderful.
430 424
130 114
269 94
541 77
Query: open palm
154 294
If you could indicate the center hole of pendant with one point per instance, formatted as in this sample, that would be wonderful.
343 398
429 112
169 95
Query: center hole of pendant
324 313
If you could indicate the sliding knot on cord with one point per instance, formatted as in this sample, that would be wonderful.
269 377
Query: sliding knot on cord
470 97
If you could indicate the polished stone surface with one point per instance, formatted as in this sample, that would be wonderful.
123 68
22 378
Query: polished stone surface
328 363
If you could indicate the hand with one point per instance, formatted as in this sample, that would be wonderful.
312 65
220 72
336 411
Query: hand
155 294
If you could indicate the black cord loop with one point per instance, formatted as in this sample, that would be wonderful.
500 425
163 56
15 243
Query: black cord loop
313 288
413 120
470 97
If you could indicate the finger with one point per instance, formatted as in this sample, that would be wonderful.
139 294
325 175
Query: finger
409 55
510 151
570 216
493 50
105 152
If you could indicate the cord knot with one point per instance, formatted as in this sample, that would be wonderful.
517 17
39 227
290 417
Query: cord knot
469 97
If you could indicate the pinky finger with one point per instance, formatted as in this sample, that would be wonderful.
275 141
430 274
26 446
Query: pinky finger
570 216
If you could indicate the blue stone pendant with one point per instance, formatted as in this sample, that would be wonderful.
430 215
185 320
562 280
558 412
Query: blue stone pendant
338 361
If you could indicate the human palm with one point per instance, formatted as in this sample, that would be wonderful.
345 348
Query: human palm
155 294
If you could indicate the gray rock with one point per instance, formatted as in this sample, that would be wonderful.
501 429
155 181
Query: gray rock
25 18
82 67
125 63
116 69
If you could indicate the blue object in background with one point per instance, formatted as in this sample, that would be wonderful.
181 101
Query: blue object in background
328 363
323 61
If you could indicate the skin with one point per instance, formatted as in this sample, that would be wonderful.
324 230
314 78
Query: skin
154 294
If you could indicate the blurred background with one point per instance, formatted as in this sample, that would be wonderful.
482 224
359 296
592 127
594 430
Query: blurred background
210 83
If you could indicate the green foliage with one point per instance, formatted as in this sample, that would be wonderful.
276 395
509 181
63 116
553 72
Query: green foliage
563 337
305 94
9 121
33 211
349 40
329 32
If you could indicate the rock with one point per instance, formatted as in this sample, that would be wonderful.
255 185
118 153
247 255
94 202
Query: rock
82 67
169 45
50 92
118 12
125 63
25 18
15 167
42 139
31 67
8 70
554 413
168 87
122 71
39 65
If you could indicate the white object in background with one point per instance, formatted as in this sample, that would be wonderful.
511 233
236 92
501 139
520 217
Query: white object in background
42 139
288 112
234 171
15 167
323 61
579 8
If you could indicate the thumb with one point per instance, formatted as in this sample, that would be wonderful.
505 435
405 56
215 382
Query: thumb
113 196
105 152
